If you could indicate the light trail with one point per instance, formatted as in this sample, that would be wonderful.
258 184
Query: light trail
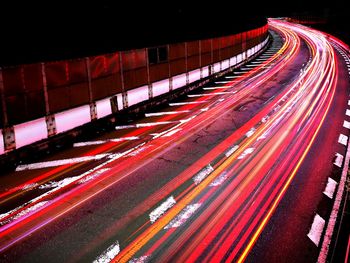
216 208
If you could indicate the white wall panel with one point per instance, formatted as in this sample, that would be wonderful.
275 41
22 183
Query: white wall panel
137 95
194 75
179 81
73 118
30 132
103 107
160 87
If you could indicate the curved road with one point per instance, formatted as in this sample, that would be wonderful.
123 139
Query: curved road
233 172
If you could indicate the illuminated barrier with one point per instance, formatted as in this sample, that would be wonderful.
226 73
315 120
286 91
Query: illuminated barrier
29 132
2 148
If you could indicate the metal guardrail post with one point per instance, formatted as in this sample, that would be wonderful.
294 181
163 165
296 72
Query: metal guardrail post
93 110
7 131
150 87
200 59
169 70
49 118
124 94
186 64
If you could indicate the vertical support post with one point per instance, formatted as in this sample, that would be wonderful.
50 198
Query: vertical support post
211 57
124 94
200 59
49 118
150 87
169 70
186 64
3 101
7 131
93 110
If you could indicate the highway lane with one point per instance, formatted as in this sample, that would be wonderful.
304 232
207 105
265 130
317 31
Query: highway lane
216 167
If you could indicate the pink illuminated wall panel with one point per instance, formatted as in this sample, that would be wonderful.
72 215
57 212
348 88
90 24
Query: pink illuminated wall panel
103 108
194 75
138 95
217 67
2 148
205 72
30 132
160 87
73 118
225 64
179 81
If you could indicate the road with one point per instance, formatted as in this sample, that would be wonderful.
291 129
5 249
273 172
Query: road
234 171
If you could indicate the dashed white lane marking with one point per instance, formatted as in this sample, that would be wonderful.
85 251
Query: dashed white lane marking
346 124
231 77
152 114
245 153
330 188
343 139
347 112
141 259
231 150
338 159
250 132
202 174
48 164
111 252
219 180
186 103
160 210
316 229
80 144
185 214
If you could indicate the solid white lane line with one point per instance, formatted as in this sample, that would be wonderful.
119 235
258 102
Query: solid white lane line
347 112
186 103
54 163
346 124
185 214
161 209
111 252
80 144
330 188
316 229
202 174
343 139
165 113
338 159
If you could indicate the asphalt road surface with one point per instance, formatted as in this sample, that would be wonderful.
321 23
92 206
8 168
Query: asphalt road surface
245 168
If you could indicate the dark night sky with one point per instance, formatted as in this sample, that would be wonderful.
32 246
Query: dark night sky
70 28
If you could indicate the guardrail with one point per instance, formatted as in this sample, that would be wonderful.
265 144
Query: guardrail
41 100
